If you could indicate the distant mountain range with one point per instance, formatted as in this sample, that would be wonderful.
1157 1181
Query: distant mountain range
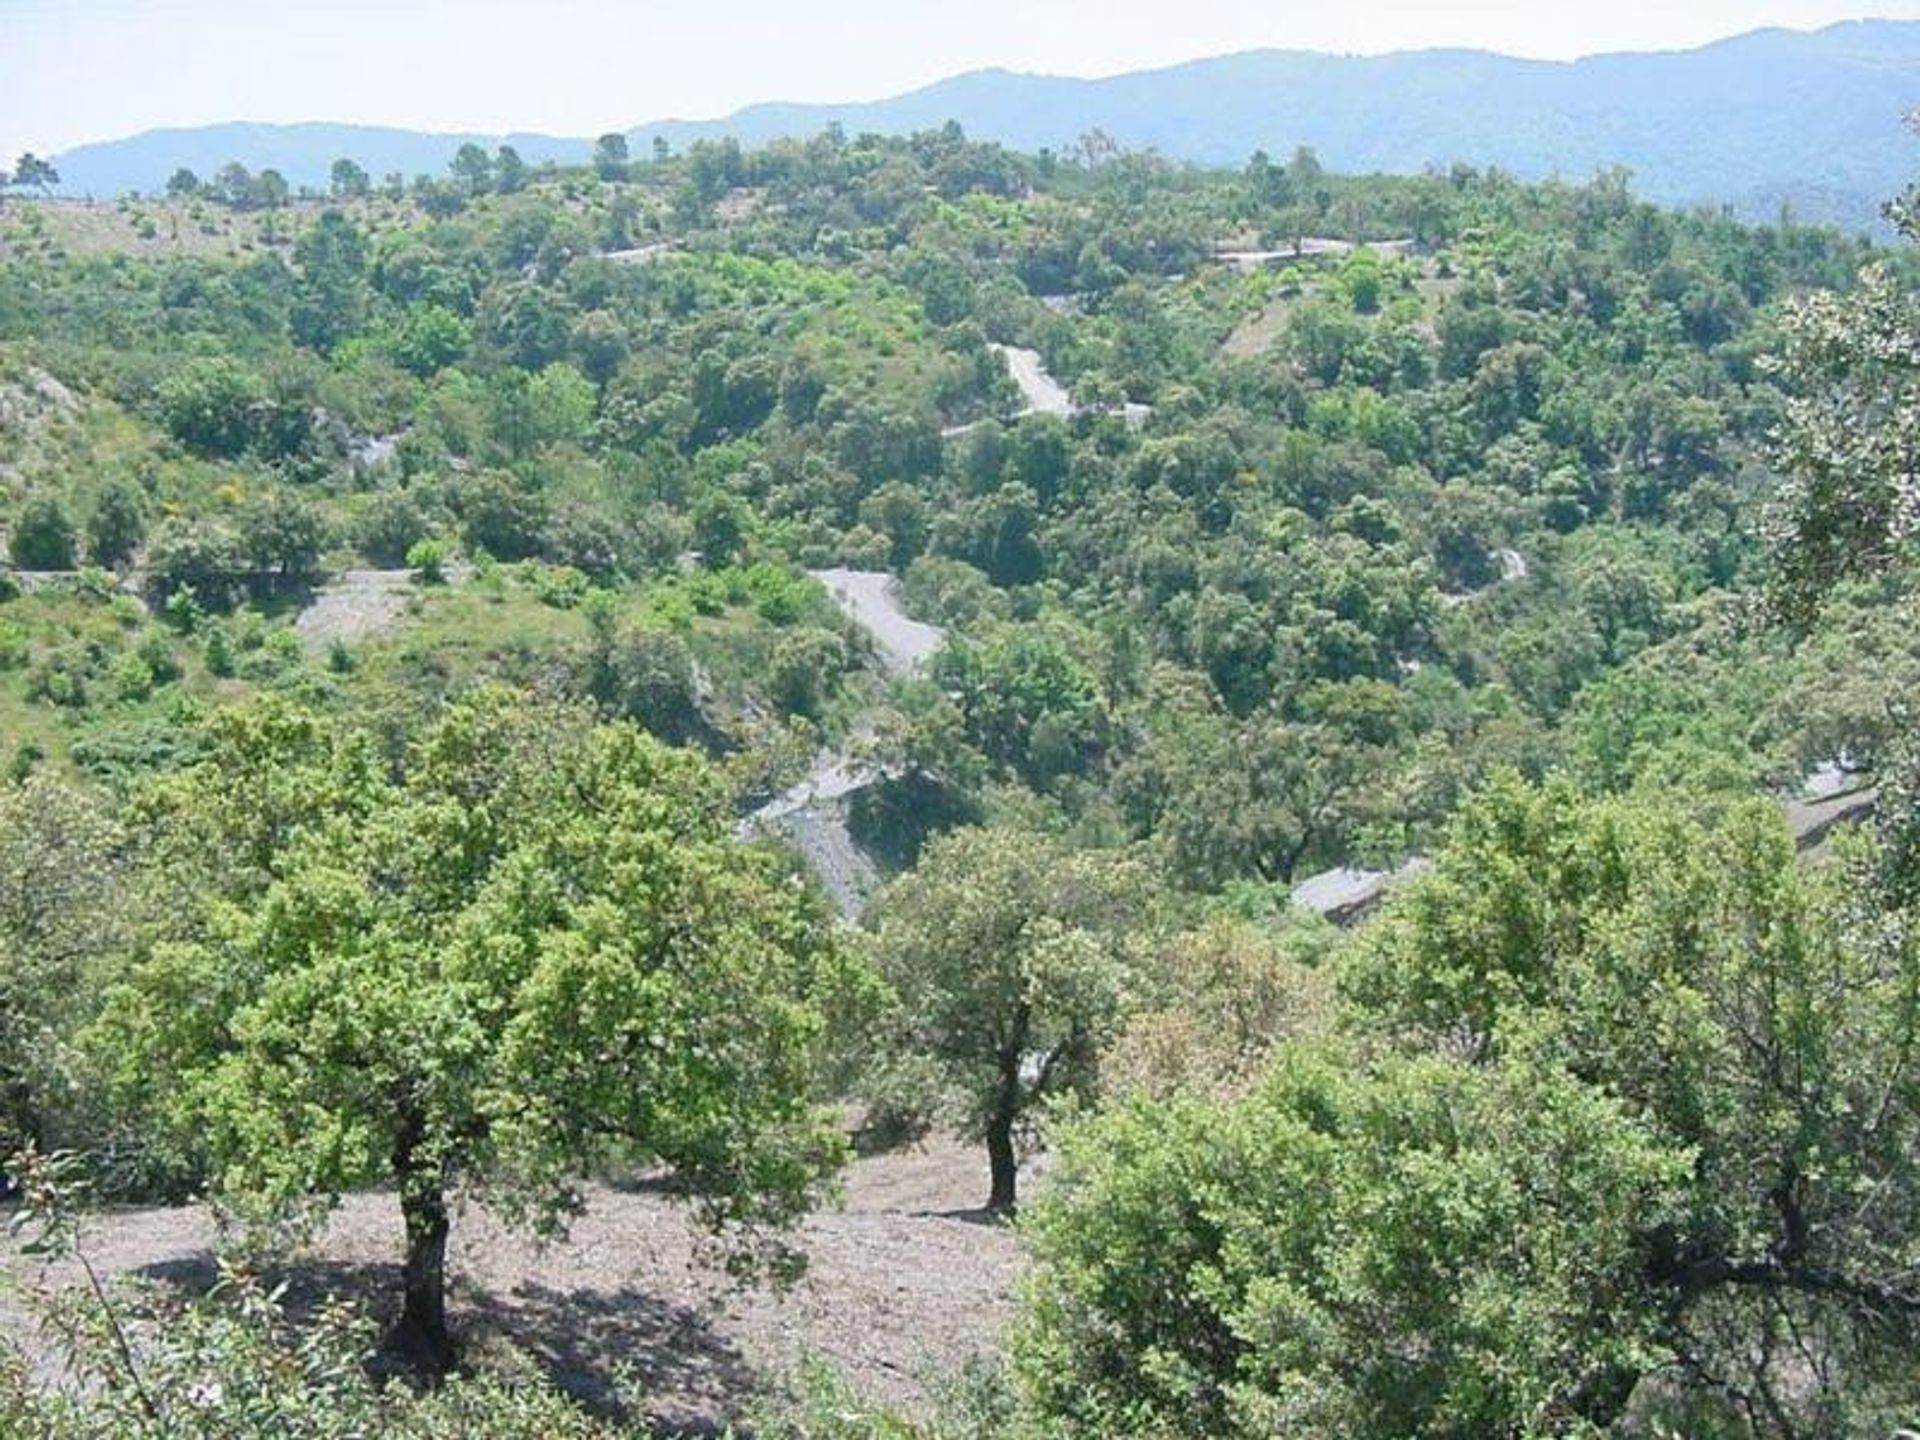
1810 119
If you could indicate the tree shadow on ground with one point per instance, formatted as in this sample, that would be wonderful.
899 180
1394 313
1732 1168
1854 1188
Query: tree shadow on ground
618 1352
971 1215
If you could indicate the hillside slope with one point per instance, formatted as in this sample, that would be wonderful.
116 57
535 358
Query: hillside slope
1810 119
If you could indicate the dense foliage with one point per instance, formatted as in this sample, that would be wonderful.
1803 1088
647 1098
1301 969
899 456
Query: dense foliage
409 632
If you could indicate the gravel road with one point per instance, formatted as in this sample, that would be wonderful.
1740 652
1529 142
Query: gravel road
871 599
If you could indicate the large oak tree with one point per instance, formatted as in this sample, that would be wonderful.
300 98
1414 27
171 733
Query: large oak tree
514 951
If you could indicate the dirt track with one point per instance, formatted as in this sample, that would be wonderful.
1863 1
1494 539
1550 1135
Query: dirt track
905 1282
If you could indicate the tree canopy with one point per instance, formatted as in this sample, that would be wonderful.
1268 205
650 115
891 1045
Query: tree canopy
523 952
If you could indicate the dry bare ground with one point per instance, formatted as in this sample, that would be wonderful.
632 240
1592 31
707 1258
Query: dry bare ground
906 1281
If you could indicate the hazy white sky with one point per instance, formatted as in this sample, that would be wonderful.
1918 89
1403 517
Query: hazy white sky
78 70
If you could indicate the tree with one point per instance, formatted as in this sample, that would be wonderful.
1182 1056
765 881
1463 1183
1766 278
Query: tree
195 556
117 524
42 538
330 298
646 673
183 184
348 181
233 184
31 170
1747 1015
805 669
528 951
610 156
510 172
270 189
1008 953
390 526
474 168
283 533
501 515
1849 500
431 338
1420 1249
1220 1002
63 904
209 406
1615 1085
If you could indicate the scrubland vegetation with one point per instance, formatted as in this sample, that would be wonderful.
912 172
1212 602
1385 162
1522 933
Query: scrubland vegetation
1549 542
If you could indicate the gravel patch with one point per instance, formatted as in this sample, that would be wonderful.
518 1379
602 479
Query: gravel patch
905 1282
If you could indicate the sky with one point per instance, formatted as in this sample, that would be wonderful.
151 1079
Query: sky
73 71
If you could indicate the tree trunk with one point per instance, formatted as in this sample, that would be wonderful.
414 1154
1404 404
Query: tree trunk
1006 1109
1001 1161
422 1332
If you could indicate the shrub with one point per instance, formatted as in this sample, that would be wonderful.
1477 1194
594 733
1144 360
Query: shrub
117 524
805 670
389 527
428 561
43 536
199 556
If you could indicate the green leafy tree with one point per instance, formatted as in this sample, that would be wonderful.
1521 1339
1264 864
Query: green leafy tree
198 558
42 538
64 906
646 673
510 172
30 171
209 406
233 184
1423 1249
473 168
805 669
183 184
610 156
430 339
348 181
1699 977
1008 953
117 524
392 523
1848 502
501 515
330 299
283 534
528 952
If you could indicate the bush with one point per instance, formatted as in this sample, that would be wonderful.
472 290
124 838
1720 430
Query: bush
646 674
210 407
389 527
560 586
60 679
133 678
199 556
428 561
117 525
43 536
501 515
14 647
805 671
1429 1249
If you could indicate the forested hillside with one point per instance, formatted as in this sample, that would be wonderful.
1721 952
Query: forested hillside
1806 120
459 736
